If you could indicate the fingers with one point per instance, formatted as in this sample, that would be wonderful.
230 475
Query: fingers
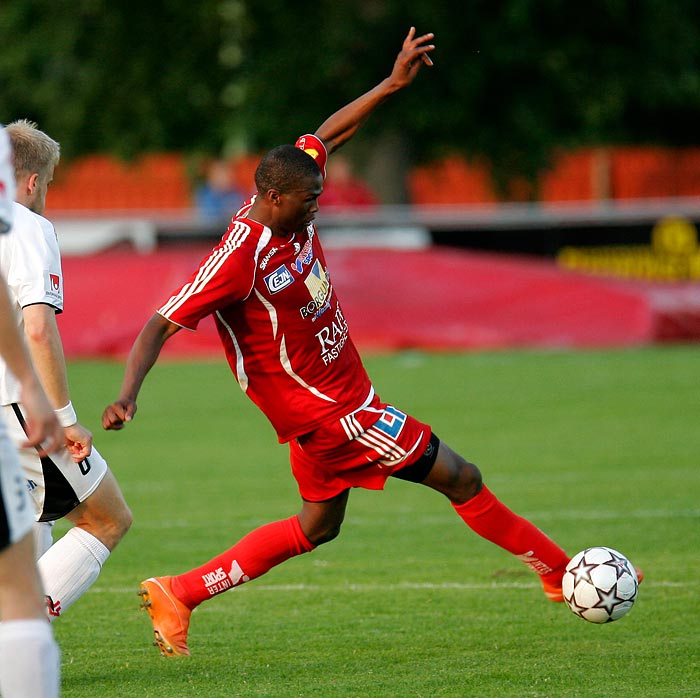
78 451
45 437
117 414
417 45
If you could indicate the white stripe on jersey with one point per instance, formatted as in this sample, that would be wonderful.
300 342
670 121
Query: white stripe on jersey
287 366
208 269
241 375
352 427
271 311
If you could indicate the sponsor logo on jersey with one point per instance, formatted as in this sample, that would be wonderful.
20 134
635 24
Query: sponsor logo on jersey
319 286
52 287
263 264
305 257
332 338
279 279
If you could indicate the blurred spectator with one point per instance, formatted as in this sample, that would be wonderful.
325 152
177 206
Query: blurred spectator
217 197
342 189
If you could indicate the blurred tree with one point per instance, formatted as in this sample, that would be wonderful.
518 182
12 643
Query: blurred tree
513 79
124 77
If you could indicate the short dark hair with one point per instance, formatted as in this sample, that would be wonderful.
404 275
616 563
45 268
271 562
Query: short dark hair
285 168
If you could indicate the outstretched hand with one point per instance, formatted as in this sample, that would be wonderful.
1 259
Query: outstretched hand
117 414
414 53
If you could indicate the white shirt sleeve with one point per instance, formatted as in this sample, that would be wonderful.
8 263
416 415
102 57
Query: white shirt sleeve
34 272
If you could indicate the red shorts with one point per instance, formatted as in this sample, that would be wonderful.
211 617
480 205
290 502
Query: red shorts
361 449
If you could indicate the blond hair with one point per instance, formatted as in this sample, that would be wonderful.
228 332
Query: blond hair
33 150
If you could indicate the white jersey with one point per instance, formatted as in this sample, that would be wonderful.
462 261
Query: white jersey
7 182
30 261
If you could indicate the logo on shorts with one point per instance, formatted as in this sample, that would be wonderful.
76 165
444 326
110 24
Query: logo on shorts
279 279
391 422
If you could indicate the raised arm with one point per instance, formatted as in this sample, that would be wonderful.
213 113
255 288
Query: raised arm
342 125
143 355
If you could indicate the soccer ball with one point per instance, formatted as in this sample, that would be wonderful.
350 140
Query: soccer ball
600 585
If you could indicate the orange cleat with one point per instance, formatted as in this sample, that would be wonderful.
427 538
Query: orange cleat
170 617
553 592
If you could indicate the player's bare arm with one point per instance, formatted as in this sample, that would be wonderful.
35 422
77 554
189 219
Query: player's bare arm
143 355
342 125
46 350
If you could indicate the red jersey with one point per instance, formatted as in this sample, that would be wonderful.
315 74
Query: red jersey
280 322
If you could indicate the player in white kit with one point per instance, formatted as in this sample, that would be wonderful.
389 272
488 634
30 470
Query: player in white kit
29 655
75 482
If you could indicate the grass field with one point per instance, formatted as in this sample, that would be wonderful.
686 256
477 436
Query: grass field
597 448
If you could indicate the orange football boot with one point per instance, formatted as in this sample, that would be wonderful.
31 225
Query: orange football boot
170 617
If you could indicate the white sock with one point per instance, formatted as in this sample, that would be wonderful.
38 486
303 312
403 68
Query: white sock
69 568
29 660
43 537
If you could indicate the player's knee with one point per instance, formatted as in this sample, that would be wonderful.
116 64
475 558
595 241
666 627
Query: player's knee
109 525
123 521
324 534
458 479
471 481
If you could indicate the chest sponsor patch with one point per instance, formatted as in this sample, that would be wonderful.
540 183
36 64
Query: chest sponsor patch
319 286
278 279
305 256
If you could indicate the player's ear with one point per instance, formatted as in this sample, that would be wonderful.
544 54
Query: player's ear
27 182
273 196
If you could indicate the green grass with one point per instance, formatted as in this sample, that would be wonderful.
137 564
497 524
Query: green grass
597 448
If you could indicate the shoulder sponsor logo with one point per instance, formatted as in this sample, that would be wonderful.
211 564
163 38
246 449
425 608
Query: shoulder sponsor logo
268 257
278 279
52 285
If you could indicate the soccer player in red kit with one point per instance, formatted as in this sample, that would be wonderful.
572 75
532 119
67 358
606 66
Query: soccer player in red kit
288 344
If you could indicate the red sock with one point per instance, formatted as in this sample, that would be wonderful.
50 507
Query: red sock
492 520
251 557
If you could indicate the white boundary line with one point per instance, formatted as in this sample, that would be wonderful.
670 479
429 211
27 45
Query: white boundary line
401 586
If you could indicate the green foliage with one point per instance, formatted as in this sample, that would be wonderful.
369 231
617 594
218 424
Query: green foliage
594 447
126 77
513 80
